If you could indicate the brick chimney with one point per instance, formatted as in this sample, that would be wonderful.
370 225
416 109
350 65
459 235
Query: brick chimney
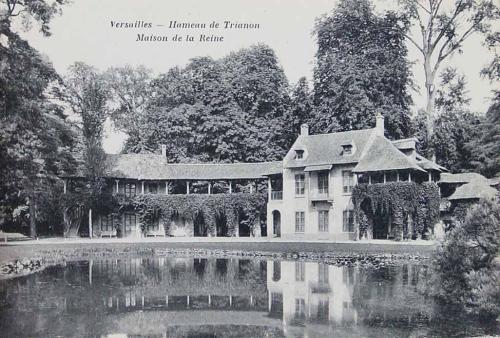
304 130
379 124
163 150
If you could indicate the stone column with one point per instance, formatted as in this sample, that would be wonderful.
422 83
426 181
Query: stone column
142 187
187 187
117 186
269 188
209 188
166 187
230 187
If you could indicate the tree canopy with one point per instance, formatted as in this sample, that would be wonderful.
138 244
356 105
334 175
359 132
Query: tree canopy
229 109
361 68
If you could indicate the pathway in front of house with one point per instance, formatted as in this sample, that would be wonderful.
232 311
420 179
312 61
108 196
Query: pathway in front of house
246 240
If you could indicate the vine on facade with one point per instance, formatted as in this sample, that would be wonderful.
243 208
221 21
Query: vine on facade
413 208
210 207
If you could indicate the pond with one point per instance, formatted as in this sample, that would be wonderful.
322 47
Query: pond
225 297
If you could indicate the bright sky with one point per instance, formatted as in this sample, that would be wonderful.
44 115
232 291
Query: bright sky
84 33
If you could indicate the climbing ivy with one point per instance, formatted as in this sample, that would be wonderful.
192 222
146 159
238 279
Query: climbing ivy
232 207
235 208
403 201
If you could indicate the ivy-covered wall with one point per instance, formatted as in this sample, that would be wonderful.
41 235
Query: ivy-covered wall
413 208
234 208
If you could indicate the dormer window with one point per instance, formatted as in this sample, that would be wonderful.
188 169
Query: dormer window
299 154
347 149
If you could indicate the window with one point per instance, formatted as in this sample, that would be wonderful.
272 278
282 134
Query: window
300 308
300 271
348 224
347 181
347 149
300 221
155 226
276 271
130 222
130 189
107 223
323 274
348 275
152 188
323 310
299 154
323 182
323 220
300 184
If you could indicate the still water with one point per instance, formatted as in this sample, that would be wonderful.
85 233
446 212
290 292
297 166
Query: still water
224 297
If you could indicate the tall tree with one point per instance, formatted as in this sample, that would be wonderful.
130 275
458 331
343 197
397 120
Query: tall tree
454 125
130 92
300 111
485 150
40 12
35 138
361 68
442 28
217 110
86 91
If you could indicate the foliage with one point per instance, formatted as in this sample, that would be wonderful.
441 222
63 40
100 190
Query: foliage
454 125
442 29
300 111
361 68
210 207
421 133
222 110
485 149
464 264
400 199
39 11
36 140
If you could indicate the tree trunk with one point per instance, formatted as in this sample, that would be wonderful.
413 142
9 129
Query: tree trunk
430 96
32 210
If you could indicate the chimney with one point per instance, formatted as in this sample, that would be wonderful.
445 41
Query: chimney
163 150
304 130
379 124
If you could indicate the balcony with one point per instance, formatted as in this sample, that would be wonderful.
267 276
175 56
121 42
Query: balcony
276 195
318 195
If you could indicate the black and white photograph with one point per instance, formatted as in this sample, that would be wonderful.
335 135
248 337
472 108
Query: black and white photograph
250 168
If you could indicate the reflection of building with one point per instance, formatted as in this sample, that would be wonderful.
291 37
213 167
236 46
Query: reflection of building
310 295
146 296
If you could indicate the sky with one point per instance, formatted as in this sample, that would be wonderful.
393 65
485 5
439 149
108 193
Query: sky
84 33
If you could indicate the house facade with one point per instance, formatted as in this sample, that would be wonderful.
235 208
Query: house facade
312 198
309 193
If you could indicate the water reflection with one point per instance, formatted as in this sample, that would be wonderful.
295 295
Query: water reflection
226 297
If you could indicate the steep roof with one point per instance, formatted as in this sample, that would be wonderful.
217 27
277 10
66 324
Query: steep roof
156 167
327 148
406 143
383 156
427 164
461 178
474 190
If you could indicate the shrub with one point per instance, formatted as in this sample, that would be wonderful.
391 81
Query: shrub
464 266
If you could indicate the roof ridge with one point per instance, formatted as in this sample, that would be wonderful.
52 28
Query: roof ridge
339 132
